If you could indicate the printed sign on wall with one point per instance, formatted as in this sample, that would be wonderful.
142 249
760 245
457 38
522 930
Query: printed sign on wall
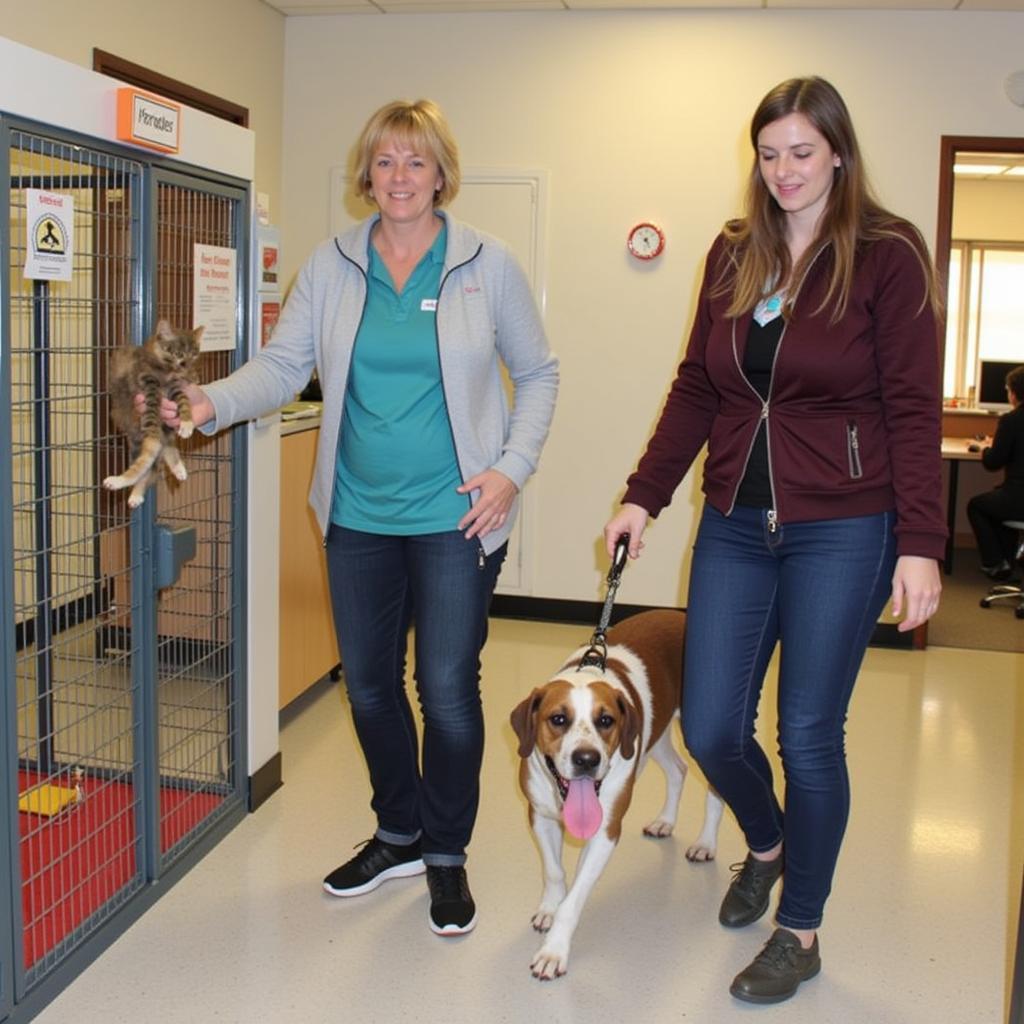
268 268
215 295
50 226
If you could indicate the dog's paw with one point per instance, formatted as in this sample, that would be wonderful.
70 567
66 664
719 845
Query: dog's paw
180 472
700 852
659 828
185 428
549 963
542 920
135 500
114 483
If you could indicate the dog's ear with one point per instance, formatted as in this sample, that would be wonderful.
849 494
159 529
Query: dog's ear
630 728
524 722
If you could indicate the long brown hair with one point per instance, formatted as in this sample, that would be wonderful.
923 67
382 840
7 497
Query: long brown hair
758 253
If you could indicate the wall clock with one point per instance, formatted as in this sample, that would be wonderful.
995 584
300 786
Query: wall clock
645 240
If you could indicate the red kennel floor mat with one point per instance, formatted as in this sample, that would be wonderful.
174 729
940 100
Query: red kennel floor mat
72 864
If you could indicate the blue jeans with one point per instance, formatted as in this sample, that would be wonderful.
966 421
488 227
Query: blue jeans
443 583
817 590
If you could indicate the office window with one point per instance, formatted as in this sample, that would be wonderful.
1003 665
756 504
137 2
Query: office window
985 311
1001 305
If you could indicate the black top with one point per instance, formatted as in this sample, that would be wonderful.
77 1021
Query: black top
758 359
1007 451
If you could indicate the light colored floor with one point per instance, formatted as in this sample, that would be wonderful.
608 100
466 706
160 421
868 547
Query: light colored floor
919 928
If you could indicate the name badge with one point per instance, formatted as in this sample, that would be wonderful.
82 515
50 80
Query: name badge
428 305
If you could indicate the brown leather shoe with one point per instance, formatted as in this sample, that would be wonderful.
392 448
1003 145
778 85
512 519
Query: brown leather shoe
747 896
776 972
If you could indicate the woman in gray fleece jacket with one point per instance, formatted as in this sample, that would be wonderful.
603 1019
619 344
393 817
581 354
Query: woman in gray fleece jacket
407 319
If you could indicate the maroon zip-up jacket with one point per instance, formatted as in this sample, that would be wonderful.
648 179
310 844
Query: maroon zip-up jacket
853 412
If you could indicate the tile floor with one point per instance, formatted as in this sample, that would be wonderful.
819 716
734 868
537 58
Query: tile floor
919 929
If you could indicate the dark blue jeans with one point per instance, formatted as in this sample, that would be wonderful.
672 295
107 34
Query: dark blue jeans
816 589
443 584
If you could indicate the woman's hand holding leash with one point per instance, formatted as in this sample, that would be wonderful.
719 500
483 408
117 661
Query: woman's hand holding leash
630 519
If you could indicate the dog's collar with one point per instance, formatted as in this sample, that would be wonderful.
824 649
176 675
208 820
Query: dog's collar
562 782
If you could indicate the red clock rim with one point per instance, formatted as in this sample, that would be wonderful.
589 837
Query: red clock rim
648 255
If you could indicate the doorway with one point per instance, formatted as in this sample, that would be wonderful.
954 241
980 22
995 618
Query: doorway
979 254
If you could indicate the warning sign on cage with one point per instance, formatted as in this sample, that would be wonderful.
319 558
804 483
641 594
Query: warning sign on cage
50 245
215 295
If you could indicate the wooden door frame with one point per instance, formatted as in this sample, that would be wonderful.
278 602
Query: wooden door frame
136 74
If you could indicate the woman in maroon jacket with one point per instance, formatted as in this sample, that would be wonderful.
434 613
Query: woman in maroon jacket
812 375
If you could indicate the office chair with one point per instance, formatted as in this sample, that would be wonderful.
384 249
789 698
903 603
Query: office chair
1012 590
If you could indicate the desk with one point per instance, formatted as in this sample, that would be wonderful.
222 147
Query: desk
954 451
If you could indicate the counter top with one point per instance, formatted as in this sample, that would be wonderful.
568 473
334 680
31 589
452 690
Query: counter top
298 426
297 416
976 410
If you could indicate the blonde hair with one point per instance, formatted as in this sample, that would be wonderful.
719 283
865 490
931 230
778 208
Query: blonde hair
422 126
758 253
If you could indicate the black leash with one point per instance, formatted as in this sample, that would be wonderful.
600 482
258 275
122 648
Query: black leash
597 653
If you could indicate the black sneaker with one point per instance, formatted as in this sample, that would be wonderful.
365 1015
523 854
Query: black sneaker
452 910
376 862
747 897
777 970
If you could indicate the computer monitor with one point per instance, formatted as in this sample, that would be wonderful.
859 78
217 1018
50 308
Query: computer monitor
992 384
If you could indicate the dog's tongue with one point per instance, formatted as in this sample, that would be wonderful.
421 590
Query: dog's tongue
582 810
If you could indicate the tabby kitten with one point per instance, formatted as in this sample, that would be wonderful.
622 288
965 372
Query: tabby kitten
161 366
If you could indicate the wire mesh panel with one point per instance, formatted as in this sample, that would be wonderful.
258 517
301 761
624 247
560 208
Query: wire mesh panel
123 702
77 701
197 618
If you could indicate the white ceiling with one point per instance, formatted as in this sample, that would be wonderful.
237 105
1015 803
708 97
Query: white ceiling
310 7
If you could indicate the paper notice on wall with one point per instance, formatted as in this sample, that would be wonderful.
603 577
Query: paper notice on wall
50 242
215 296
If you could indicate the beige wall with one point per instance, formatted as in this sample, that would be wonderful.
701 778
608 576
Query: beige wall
231 48
634 116
989 211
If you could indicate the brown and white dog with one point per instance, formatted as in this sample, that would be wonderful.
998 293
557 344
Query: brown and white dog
584 737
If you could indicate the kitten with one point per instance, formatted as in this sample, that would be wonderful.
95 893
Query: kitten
159 367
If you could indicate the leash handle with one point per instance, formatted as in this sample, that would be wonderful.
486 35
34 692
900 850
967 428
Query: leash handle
597 652
619 559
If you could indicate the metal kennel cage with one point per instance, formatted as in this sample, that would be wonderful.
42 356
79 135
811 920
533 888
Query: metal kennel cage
123 632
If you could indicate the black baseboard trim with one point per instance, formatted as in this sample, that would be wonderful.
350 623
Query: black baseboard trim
887 634
74 613
177 651
588 613
264 782
552 609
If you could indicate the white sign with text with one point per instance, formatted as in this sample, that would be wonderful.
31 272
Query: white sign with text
215 296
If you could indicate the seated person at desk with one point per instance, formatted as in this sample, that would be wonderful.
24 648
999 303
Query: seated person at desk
996 544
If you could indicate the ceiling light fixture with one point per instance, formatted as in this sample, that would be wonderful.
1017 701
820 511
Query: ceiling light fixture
980 169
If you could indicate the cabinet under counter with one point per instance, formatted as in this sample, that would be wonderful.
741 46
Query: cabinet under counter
308 646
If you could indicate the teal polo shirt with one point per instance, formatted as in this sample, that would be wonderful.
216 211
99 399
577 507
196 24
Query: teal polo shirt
397 471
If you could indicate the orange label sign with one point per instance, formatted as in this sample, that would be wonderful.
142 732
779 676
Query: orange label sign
148 120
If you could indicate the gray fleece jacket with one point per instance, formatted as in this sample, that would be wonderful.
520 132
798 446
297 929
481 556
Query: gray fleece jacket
486 315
